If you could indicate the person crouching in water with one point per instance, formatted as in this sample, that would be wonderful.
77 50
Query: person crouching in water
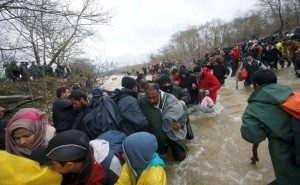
143 165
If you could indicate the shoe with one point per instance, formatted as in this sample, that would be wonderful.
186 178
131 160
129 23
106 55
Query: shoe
289 64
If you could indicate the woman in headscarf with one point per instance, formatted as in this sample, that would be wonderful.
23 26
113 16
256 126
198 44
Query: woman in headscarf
27 129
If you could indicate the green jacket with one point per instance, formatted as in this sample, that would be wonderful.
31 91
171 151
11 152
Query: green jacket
154 117
263 118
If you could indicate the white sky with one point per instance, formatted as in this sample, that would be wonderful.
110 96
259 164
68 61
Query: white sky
141 27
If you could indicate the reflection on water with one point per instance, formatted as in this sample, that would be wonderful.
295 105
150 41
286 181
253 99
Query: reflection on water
218 154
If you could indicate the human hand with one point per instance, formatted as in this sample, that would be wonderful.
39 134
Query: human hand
105 94
176 126
206 92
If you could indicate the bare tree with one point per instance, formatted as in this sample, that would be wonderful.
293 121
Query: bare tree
50 31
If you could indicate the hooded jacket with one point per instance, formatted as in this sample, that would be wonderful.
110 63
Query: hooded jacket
263 118
143 166
134 118
208 82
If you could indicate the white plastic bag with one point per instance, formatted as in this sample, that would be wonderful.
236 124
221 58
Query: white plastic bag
207 105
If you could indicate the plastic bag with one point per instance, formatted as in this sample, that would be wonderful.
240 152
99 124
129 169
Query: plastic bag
207 105
243 74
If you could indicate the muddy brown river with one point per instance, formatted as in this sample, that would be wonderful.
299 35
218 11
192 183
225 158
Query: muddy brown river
218 154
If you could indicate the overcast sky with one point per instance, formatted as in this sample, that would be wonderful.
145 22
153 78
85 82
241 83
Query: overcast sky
141 27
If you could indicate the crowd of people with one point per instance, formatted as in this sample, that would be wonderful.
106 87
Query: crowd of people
123 136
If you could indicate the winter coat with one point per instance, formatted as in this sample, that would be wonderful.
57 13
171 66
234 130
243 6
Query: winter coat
187 83
219 70
63 114
293 49
20 170
208 82
143 166
155 118
263 118
252 67
271 54
156 175
134 118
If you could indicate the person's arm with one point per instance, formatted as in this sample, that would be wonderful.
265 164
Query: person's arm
214 83
252 129
124 178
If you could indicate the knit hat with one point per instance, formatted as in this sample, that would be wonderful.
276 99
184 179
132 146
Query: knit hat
66 146
128 82
164 79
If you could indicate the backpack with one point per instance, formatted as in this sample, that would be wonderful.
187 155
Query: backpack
103 115
292 106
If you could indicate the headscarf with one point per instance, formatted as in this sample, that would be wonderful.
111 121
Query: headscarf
31 119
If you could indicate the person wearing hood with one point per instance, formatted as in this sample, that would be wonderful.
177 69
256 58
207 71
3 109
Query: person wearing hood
166 85
207 82
265 119
187 82
143 165
127 102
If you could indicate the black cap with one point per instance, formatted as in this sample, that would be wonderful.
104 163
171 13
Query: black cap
66 146
128 82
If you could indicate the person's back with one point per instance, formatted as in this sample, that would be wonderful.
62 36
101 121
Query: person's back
264 118
63 114
79 159
143 165
128 105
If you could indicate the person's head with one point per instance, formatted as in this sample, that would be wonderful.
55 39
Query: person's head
63 92
78 99
198 71
152 93
269 45
65 153
141 78
158 71
286 40
155 77
165 71
25 131
263 77
129 83
249 56
142 87
165 83
139 150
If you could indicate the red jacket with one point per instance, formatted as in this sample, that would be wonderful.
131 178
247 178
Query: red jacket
208 82
234 55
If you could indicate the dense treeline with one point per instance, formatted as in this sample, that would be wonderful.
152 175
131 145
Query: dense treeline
266 18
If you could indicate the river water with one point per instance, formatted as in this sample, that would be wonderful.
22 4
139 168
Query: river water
218 154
